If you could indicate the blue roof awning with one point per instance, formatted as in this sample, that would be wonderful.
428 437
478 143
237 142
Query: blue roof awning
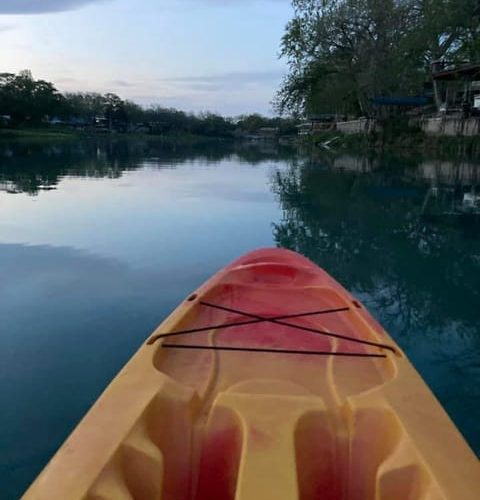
401 100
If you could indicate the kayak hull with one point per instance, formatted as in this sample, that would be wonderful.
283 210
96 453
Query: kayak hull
271 381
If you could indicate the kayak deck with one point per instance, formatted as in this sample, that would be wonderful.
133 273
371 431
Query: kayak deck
270 382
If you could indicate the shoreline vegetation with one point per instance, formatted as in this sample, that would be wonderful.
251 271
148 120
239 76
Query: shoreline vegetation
410 70
414 141
409 141
347 61
363 58
50 134
34 110
36 107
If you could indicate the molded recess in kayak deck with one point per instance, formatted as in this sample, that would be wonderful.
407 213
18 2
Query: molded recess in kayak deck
220 455
271 273
291 443
275 407
318 458
394 469
154 459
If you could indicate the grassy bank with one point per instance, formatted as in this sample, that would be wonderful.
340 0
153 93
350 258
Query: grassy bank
390 138
412 140
45 134
36 134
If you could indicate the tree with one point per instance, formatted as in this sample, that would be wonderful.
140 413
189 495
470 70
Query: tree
114 110
28 100
31 101
86 106
134 113
342 53
251 123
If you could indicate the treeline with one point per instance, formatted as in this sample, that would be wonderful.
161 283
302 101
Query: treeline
344 53
25 101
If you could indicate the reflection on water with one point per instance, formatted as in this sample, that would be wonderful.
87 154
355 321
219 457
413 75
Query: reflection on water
31 167
99 239
69 320
414 262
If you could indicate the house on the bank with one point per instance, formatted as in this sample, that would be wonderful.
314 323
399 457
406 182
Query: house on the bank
397 105
457 99
457 88
74 122
317 123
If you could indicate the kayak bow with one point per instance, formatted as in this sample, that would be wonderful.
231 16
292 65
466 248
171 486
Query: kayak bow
270 382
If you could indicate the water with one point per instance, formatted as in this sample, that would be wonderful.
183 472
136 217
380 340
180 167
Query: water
99 240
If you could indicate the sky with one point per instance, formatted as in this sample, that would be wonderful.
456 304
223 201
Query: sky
194 55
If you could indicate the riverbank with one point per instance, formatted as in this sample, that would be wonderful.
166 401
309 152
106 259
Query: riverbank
36 134
394 140
45 134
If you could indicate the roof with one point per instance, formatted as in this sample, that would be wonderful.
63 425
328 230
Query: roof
401 100
322 117
304 125
464 72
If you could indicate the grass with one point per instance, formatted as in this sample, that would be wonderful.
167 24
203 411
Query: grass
36 134
45 134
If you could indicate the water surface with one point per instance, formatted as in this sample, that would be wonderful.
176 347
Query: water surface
99 240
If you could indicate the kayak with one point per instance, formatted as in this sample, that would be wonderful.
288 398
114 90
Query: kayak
270 382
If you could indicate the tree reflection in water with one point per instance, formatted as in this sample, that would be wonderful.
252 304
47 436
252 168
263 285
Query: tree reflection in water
418 271
33 166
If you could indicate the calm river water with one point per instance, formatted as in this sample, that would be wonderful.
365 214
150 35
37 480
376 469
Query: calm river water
99 240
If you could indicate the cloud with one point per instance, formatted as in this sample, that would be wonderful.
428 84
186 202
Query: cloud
42 6
122 83
66 79
226 3
6 27
231 80
229 93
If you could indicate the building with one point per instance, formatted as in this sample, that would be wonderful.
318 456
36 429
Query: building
389 106
304 128
456 88
317 123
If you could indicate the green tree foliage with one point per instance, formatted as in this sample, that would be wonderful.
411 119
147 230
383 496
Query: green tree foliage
114 109
253 122
134 112
85 106
341 53
28 100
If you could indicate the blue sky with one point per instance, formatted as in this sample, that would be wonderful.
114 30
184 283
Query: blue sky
218 55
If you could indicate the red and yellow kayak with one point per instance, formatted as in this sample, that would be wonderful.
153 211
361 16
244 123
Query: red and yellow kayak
270 382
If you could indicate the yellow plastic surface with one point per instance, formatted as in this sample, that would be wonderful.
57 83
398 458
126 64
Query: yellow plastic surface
178 424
